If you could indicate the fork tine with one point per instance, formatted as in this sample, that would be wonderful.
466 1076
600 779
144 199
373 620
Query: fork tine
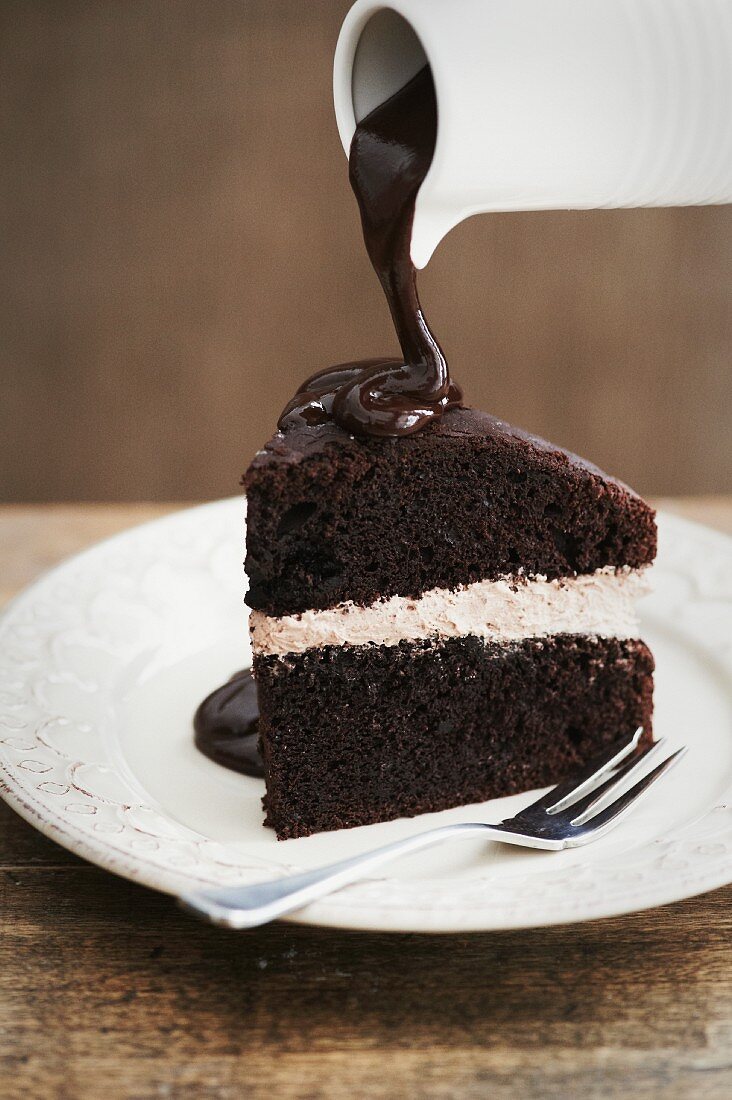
583 806
623 804
566 792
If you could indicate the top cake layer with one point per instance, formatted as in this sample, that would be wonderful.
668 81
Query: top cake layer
333 518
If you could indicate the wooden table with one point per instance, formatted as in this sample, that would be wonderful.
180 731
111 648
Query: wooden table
107 990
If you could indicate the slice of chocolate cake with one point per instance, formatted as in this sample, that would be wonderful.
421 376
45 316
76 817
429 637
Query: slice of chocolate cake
442 605
439 618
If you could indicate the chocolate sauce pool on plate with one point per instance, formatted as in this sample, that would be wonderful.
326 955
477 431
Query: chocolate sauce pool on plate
391 152
226 725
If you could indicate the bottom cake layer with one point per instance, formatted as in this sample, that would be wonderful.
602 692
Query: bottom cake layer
354 735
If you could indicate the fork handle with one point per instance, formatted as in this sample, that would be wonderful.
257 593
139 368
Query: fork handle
249 906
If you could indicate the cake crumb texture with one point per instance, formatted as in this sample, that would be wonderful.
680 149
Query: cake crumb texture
466 499
354 735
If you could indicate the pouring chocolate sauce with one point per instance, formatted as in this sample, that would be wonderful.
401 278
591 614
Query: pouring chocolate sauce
390 156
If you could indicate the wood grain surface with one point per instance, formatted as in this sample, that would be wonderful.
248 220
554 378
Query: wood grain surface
107 990
181 248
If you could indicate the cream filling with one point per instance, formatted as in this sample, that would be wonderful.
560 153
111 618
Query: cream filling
505 610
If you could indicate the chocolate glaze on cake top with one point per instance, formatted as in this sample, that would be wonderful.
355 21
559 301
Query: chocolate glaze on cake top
298 441
391 152
468 498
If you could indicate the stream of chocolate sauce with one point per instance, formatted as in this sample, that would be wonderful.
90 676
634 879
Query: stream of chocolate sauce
390 156
391 152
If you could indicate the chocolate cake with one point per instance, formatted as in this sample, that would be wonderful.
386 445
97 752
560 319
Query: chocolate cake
438 619
442 605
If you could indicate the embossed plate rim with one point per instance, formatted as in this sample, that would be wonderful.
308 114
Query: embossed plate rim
132 838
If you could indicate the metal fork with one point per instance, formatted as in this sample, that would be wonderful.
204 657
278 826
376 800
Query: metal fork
572 814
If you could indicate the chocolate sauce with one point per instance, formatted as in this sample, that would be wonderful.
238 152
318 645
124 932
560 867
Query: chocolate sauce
226 725
391 152
390 156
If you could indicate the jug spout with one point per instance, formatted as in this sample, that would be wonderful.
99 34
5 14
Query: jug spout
432 222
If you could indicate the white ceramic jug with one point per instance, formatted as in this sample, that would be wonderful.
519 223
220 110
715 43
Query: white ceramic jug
551 104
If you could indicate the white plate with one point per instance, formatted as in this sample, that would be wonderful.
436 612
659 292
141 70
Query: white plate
103 661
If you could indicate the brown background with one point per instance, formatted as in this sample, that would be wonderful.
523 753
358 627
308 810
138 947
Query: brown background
181 248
